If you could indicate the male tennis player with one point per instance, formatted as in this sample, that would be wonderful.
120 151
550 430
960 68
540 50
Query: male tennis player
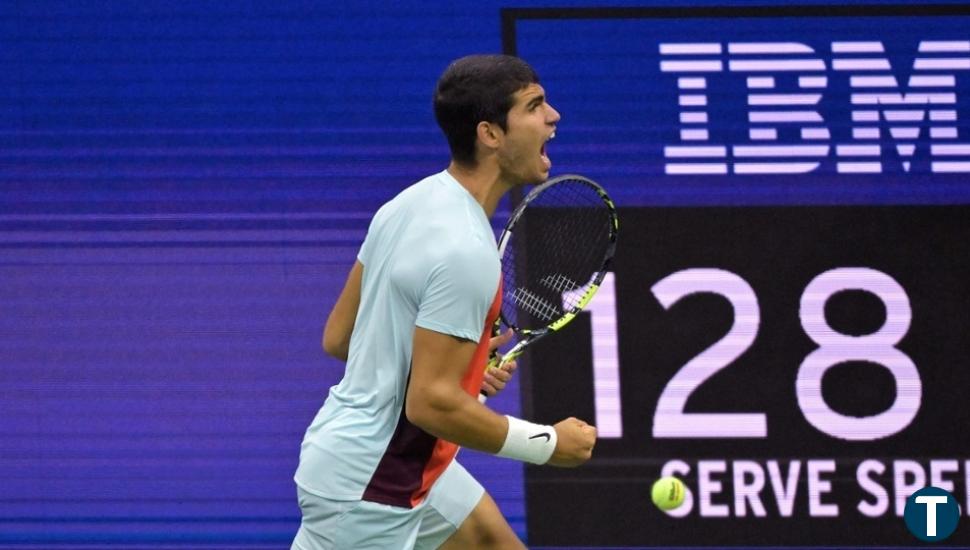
377 468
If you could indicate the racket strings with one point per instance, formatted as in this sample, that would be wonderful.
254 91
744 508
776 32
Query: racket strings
568 228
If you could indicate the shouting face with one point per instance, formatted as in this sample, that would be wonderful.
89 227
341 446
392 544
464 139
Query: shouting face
531 123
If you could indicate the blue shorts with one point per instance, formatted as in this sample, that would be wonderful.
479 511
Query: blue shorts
362 525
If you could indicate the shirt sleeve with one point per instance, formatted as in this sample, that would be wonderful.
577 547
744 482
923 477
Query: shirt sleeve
367 247
460 290
363 252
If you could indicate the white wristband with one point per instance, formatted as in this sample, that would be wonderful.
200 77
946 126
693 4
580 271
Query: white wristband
528 442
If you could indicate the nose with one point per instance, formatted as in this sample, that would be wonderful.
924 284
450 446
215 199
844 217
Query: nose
552 115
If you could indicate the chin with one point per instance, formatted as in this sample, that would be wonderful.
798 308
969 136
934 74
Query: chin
540 176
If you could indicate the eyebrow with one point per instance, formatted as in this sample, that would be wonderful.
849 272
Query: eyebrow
535 101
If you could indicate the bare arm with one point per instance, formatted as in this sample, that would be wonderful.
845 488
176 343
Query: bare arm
340 323
437 404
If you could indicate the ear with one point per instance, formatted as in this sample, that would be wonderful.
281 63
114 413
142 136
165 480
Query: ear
489 135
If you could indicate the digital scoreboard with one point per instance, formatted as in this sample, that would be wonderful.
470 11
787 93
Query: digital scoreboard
785 326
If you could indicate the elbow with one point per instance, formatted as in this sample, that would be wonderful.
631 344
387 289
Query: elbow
334 346
418 412
329 346
427 409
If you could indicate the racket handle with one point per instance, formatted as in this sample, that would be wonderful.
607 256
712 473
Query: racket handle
494 361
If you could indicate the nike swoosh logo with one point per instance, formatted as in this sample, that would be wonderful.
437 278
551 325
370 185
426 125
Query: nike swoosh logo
543 434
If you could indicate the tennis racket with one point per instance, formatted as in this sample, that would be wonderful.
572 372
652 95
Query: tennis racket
555 250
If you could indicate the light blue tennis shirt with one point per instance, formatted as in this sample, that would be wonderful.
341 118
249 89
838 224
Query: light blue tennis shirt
430 261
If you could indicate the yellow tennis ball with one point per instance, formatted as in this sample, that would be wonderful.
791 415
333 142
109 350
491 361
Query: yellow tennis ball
667 493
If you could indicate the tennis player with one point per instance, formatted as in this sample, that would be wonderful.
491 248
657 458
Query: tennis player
377 468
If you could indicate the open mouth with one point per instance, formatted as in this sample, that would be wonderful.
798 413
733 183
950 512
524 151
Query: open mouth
543 154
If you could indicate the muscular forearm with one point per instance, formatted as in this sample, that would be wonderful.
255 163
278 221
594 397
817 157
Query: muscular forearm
457 417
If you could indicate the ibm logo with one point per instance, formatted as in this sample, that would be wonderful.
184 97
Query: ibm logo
785 82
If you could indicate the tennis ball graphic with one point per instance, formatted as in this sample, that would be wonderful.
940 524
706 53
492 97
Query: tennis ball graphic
667 493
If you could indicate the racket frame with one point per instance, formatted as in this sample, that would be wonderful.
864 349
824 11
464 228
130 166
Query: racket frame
530 336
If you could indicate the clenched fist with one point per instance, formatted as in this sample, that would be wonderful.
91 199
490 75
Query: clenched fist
575 444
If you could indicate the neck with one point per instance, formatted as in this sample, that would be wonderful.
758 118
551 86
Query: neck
483 182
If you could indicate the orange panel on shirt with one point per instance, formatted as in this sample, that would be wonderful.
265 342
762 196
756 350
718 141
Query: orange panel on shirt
445 451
